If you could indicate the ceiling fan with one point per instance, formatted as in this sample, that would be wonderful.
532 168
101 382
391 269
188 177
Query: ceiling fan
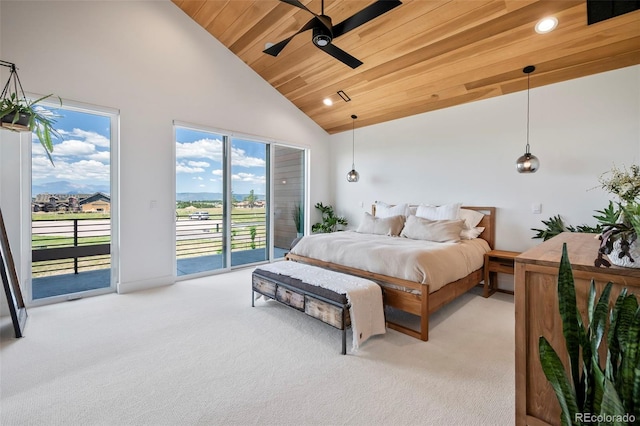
324 32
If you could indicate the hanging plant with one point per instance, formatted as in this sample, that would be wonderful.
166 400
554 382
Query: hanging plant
21 115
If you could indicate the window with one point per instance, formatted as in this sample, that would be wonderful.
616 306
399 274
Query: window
224 198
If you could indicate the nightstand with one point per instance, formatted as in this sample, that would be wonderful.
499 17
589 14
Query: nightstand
497 261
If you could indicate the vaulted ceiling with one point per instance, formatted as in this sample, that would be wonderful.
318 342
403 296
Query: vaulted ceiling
421 56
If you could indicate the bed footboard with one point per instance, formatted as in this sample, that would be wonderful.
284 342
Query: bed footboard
419 302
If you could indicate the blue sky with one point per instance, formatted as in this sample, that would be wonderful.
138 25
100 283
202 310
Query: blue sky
199 163
82 156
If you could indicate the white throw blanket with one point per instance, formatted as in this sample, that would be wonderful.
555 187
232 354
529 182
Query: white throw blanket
364 296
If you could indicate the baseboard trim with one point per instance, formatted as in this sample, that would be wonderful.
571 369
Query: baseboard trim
129 287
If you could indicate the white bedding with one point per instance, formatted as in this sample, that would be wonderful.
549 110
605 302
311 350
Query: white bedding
419 261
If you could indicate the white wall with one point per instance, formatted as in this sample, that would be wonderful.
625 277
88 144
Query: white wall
578 130
155 65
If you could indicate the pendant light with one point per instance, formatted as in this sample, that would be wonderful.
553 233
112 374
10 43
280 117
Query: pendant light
353 176
528 163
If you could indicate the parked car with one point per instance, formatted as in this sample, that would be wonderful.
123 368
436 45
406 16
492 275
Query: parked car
199 216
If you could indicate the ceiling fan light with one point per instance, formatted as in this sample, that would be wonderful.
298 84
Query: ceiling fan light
321 36
321 40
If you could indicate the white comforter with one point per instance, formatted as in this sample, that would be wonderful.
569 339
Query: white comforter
419 261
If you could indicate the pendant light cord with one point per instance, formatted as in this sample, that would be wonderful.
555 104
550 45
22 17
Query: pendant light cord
353 144
528 89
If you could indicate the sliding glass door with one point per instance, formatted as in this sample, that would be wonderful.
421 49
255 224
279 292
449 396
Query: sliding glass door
227 190
200 201
249 242
288 197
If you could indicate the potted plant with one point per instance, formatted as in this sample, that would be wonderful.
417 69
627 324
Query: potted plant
594 389
22 115
330 221
298 219
621 220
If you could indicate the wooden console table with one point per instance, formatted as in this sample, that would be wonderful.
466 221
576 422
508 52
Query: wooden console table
537 314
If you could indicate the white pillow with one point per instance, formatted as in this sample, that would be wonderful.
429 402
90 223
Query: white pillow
439 231
386 210
381 226
470 234
444 212
471 218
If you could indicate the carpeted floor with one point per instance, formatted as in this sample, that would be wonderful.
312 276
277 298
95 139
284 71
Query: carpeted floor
196 353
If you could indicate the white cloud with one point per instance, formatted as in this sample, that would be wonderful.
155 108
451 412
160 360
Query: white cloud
198 163
73 148
198 178
249 177
183 168
87 136
203 148
212 149
102 156
217 172
239 158
92 170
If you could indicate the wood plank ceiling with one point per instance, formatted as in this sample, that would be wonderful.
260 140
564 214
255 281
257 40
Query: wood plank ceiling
421 56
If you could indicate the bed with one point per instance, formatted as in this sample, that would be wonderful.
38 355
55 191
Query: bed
408 287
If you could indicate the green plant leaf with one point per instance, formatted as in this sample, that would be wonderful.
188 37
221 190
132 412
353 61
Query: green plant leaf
611 404
557 377
569 313
630 359
598 319
609 215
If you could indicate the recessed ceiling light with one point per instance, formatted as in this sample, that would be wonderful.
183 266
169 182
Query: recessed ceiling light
546 25
327 102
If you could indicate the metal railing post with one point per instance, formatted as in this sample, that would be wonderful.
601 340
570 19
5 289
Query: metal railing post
75 244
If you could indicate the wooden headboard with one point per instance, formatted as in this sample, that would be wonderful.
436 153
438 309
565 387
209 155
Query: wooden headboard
488 222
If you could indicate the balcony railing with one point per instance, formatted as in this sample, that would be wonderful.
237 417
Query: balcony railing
200 237
72 245
69 245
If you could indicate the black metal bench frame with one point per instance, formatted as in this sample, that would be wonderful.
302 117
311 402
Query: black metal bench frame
343 306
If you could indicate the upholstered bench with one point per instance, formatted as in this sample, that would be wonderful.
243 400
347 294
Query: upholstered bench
325 295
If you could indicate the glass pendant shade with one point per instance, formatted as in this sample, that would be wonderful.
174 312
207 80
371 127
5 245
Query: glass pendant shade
353 176
528 163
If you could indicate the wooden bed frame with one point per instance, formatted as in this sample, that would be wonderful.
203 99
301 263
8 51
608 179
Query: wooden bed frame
424 303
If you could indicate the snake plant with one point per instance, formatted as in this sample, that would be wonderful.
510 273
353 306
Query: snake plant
607 390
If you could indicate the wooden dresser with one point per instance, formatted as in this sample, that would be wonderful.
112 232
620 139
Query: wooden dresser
536 309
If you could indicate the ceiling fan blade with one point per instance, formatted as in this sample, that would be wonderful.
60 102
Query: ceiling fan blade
341 55
324 20
296 3
365 15
277 48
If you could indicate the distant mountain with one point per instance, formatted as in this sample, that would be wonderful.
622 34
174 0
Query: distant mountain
65 187
210 196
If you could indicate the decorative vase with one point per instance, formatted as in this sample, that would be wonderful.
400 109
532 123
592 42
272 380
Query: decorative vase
624 261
